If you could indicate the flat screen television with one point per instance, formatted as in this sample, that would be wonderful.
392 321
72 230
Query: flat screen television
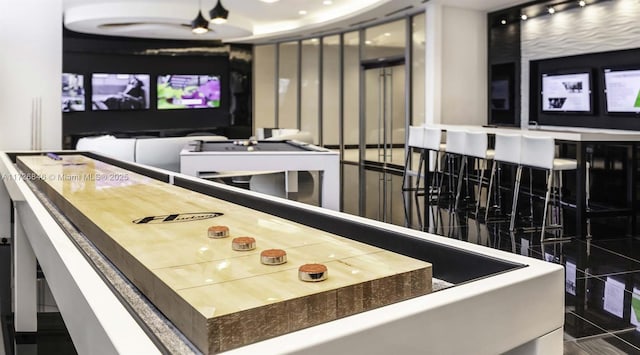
566 92
500 95
622 91
72 92
119 91
181 91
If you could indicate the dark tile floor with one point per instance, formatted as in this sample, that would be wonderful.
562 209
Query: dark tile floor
602 299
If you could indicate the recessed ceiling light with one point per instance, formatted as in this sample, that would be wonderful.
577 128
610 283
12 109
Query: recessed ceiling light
524 17
302 12
269 1
387 34
314 40
551 10
582 3
367 42
327 2
504 22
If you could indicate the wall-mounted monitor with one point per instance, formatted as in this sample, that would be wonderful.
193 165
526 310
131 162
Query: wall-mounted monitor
188 91
120 91
500 95
622 90
566 93
72 92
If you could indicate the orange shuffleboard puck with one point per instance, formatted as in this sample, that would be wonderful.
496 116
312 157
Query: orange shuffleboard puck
243 243
312 272
218 232
273 257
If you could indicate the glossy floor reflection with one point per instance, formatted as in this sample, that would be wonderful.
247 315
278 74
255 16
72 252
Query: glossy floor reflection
602 299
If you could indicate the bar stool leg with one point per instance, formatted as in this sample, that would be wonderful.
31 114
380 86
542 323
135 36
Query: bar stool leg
493 174
546 204
531 195
460 181
447 164
482 169
514 205
420 162
560 209
436 169
406 170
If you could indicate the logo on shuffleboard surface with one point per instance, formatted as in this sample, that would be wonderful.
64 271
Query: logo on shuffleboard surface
177 217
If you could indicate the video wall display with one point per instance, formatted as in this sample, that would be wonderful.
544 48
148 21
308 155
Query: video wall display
73 92
622 90
112 92
120 92
566 92
179 91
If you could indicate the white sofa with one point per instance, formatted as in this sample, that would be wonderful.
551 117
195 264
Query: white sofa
161 152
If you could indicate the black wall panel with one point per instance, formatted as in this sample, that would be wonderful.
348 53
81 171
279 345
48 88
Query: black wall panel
595 63
87 54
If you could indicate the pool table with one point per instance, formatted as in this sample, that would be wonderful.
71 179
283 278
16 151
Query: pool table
203 157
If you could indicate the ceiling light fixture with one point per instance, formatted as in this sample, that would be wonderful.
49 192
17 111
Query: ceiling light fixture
327 2
199 25
219 14
269 1
504 22
524 17
302 12
582 3
551 11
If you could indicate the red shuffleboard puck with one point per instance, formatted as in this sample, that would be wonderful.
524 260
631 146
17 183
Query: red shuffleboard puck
243 243
313 272
218 232
273 257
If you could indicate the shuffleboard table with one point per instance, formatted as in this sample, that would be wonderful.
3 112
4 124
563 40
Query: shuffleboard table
126 253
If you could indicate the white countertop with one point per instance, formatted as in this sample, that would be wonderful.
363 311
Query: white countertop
575 134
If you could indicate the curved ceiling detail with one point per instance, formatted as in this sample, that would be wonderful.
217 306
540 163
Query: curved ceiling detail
248 19
251 21
149 20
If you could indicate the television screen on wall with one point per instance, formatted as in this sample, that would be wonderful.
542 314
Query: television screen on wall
188 91
500 95
72 92
622 90
566 92
120 91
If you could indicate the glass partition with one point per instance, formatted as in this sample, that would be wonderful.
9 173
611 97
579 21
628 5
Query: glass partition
384 41
264 88
418 55
351 96
288 85
310 84
331 92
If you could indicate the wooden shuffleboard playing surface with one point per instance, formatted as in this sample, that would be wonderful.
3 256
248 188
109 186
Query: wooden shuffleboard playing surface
156 234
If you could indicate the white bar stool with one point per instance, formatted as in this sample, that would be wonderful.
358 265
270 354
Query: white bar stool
539 152
477 146
432 143
507 150
454 147
416 140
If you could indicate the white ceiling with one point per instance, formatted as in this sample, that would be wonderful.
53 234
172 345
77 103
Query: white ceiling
249 20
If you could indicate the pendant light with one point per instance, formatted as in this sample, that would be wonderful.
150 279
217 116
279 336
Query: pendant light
199 25
218 14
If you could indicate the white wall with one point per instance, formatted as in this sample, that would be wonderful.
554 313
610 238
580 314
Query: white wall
30 67
456 65
606 26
